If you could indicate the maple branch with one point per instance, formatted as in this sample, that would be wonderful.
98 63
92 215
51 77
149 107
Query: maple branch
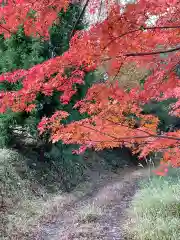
160 27
6 29
133 137
136 54
140 29
143 53
118 71
153 135
151 53
122 35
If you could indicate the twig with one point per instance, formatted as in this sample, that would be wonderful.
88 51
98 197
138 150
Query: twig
139 29
136 54
6 29
133 137
152 53
80 15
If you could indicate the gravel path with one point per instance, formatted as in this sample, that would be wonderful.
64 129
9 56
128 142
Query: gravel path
110 195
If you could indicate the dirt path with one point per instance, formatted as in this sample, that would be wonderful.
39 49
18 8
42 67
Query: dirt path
99 214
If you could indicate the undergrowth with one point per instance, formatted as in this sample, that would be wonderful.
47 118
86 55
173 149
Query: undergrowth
25 203
29 198
155 209
90 213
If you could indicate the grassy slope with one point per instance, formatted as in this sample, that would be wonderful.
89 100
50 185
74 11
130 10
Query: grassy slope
155 209
24 202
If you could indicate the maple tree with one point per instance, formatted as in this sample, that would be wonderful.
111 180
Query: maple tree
21 51
146 33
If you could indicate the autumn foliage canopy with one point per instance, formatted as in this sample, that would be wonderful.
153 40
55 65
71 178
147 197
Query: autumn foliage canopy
145 33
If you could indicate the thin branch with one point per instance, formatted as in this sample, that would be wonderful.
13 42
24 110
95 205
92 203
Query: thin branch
6 29
120 36
136 54
143 53
152 53
140 29
133 137
80 16
161 27
118 71
100 9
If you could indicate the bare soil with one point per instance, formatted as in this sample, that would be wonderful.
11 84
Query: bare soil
111 195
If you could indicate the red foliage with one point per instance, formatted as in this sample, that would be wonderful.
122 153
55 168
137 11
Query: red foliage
36 16
116 117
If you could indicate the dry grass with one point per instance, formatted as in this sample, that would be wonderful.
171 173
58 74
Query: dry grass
26 218
87 225
89 231
90 213
155 210
24 204
28 209
81 189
